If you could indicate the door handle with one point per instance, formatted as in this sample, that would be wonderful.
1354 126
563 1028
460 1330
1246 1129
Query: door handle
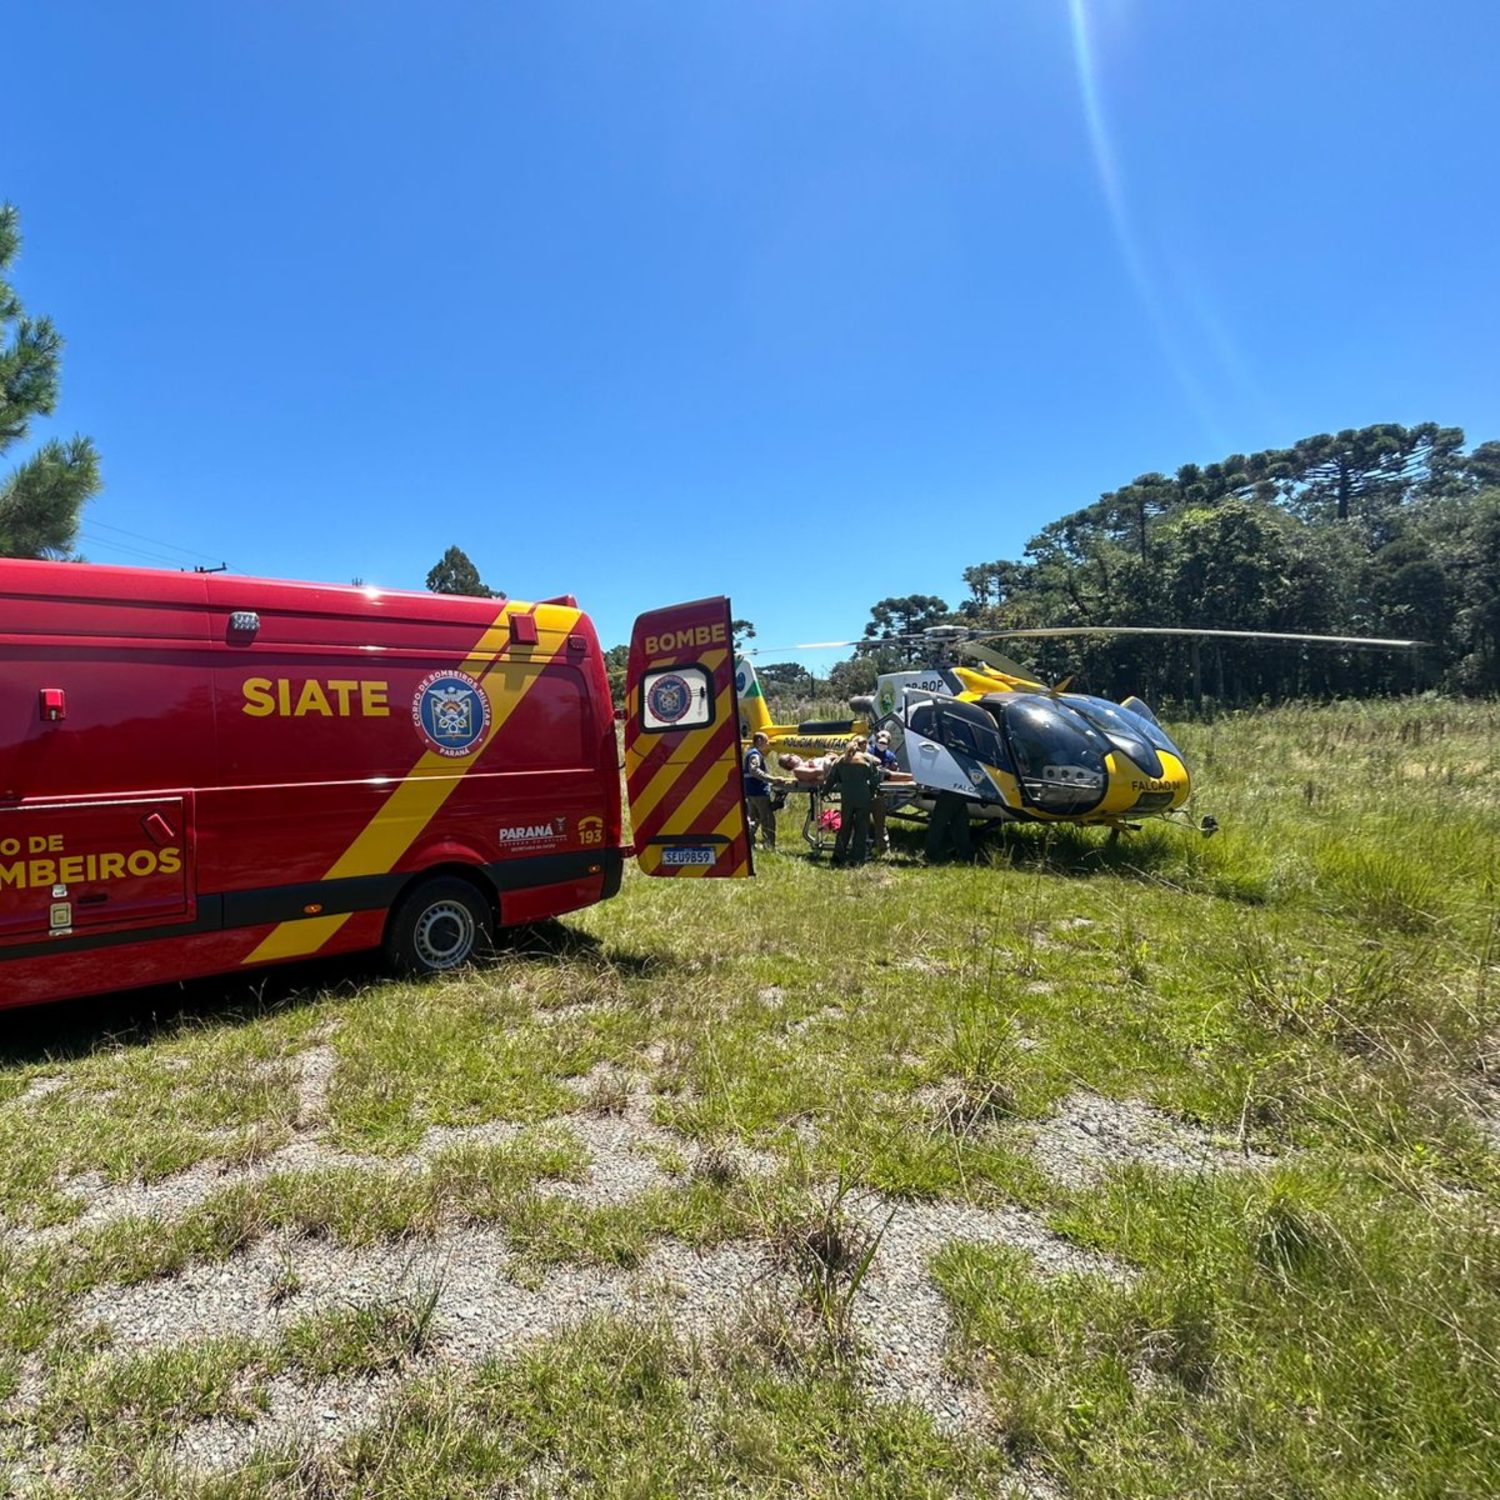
158 827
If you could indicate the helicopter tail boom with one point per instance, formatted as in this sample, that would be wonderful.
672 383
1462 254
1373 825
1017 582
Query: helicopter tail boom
755 716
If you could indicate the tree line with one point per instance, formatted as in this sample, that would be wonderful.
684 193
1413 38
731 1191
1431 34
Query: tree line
1385 531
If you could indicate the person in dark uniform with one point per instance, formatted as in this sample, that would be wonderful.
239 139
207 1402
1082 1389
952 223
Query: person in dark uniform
856 780
758 791
948 830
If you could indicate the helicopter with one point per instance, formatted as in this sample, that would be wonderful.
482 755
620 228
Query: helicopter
1017 749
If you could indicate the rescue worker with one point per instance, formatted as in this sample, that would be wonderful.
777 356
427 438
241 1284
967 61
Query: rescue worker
856 781
948 830
758 791
887 764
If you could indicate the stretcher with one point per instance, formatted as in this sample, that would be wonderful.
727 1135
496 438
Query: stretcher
818 831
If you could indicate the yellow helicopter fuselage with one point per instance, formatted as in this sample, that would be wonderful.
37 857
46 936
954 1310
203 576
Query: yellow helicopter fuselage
1014 748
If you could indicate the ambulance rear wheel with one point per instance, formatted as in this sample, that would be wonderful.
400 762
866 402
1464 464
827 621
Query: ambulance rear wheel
439 926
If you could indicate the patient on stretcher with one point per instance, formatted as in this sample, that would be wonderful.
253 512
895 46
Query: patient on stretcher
808 772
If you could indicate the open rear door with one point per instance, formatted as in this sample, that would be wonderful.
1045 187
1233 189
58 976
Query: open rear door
682 744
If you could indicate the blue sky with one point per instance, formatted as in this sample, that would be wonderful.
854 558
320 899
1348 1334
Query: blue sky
809 303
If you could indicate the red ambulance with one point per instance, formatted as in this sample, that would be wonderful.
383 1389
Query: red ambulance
200 773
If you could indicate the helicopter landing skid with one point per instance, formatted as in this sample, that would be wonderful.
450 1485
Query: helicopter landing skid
1207 825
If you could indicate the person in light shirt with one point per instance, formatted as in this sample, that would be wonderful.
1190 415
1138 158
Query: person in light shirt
889 767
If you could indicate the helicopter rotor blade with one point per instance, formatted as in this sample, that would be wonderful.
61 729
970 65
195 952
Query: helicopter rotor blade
996 660
1373 642
796 646
868 641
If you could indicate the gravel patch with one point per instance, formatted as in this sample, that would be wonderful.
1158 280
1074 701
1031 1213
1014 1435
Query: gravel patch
172 1196
39 1088
622 1167
1089 1134
317 1416
827 1014
621 1144
480 1313
626 1147
901 1316
574 1010
315 1069
102 1202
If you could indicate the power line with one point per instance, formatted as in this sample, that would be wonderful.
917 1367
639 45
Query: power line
160 559
150 540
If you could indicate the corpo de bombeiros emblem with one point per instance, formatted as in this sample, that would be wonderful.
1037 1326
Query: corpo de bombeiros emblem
451 712
669 698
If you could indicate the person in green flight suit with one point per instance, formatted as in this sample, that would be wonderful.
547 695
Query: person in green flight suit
857 781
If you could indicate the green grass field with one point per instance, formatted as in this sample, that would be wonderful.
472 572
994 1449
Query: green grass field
1169 1167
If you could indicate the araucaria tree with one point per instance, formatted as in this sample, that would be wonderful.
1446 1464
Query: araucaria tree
40 501
1383 530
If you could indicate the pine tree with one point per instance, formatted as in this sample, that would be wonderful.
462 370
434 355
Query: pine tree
455 573
40 502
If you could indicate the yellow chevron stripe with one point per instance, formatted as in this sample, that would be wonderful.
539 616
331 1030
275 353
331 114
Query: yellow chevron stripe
650 857
681 818
428 785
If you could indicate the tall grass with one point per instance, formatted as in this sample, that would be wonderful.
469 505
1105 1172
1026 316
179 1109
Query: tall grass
1319 982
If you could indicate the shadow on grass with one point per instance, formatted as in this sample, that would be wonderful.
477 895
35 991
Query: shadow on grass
1067 849
67 1029
556 940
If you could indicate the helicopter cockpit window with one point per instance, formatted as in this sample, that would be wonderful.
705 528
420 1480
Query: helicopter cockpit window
958 736
1131 722
1138 737
967 728
923 721
1059 755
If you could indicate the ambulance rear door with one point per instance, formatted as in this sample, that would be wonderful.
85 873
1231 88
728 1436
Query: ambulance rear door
682 744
